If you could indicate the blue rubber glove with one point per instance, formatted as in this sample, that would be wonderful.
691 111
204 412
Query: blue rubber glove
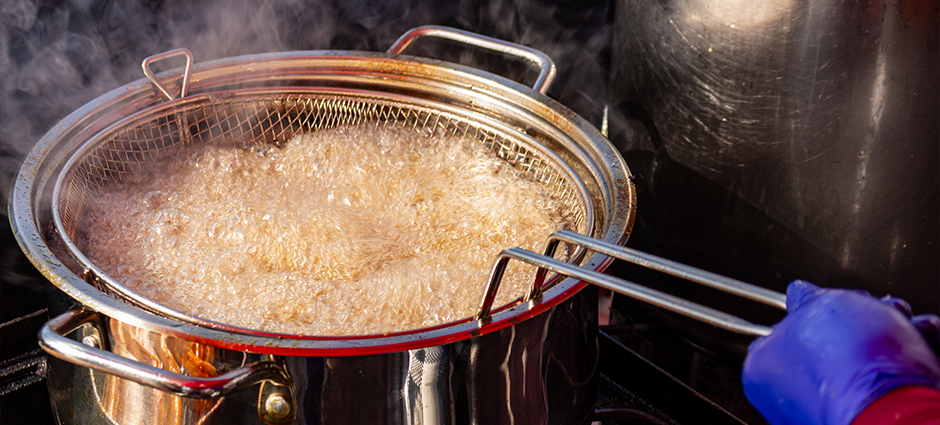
835 353
927 324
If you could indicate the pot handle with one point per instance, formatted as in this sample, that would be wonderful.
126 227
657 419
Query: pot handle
538 59
53 341
625 287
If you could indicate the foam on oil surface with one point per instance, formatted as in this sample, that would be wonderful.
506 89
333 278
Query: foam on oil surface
355 230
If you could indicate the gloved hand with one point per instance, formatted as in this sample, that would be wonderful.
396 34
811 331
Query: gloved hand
927 324
835 353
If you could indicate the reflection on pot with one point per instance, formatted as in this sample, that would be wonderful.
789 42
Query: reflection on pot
821 114
543 370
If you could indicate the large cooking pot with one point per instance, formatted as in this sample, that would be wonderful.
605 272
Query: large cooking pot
822 115
530 361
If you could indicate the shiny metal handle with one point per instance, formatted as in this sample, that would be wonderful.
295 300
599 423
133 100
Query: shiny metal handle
650 261
52 339
631 289
540 60
186 73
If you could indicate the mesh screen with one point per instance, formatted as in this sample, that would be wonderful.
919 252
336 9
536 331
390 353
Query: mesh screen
273 119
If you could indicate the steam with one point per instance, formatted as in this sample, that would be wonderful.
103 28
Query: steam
56 57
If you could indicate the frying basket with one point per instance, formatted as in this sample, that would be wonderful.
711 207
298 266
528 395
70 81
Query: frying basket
269 117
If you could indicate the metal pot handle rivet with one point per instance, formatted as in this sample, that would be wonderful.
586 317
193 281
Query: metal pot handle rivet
274 407
184 89
91 341
53 341
539 59
630 289
277 406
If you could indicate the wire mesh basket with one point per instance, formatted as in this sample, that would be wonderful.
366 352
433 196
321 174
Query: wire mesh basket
268 118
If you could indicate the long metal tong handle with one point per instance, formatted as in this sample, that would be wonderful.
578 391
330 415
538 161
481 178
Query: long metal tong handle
539 59
53 341
631 289
184 89
650 261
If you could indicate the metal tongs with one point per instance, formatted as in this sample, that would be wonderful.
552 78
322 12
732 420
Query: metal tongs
684 307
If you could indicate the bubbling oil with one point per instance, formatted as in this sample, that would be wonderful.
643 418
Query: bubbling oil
363 229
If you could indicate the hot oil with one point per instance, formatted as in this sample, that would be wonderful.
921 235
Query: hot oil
354 230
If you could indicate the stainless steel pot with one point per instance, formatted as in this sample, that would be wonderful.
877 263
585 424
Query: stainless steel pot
821 114
532 361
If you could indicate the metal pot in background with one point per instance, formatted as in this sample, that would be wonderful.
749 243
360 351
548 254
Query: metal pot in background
814 125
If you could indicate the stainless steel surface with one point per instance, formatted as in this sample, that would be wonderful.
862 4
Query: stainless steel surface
53 341
541 371
538 59
669 302
823 115
83 395
184 86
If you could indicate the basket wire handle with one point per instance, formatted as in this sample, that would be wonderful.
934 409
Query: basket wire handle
186 73
539 59
625 287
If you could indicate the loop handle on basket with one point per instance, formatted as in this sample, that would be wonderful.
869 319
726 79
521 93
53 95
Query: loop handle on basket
53 341
630 289
538 59
186 73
